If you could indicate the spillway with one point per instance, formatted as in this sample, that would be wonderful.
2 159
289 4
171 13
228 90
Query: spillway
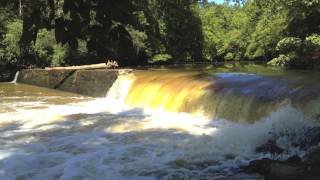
187 123
238 97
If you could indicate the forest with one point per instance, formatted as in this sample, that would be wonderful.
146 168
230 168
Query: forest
42 33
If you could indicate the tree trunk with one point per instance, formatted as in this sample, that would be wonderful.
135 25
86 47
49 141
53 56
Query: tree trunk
84 67
20 8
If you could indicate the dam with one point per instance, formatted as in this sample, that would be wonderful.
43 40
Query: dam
154 123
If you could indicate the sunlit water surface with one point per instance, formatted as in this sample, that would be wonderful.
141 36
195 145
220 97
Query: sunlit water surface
47 134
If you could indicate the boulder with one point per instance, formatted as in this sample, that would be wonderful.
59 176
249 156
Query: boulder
272 169
269 147
312 138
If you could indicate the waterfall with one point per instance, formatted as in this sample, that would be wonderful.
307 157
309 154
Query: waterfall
237 97
120 89
15 77
158 124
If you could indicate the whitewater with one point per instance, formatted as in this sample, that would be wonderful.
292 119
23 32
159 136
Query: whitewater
75 137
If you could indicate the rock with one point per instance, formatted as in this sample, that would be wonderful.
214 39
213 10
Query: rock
294 159
242 176
313 158
312 137
283 171
269 147
272 169
292 169
259 166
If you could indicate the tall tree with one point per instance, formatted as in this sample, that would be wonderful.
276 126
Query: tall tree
183 29
100 23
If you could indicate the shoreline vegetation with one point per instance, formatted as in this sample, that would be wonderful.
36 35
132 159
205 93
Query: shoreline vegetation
63 33
41 33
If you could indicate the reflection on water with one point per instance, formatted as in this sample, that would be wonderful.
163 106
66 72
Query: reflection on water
155 125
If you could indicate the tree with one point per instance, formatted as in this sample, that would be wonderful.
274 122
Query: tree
101 24
183 29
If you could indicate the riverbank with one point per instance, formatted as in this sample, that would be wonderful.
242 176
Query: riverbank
293 168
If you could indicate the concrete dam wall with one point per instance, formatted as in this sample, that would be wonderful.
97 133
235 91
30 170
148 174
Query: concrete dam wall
94 83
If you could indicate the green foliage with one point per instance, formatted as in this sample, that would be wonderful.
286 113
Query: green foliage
289 44
183 29
248 31
45 50
5 17
44 46
268 31
283 60
313 41
10 53
161 57
150 27
303 15
295 52
101 24
229 56
69 32
60 54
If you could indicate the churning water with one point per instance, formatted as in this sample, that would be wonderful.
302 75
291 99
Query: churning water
155 125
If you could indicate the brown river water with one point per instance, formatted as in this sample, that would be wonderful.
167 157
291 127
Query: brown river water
160 123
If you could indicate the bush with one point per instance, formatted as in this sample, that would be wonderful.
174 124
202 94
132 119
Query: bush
10 53
46 51
295 52
60 53
281 61
289 44
44 47
284 60
161 57
313 41
229 56
5 17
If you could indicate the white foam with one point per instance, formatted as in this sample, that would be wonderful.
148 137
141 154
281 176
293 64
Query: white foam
98 140
105 139
15 77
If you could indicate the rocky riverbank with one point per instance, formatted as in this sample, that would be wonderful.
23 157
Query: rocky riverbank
294 168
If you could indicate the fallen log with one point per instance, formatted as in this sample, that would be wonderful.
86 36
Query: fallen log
82 67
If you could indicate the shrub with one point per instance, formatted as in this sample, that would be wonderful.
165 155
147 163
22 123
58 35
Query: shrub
313 42
289 44
281 61
229 56
60 53
284 60
10 53
44 47
161 57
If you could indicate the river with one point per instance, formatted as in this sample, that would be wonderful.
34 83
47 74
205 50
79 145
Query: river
161 123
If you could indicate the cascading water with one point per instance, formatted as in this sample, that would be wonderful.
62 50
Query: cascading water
155 125
237 97
15 77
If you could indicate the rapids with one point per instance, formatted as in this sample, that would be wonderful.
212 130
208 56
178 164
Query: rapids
156 124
